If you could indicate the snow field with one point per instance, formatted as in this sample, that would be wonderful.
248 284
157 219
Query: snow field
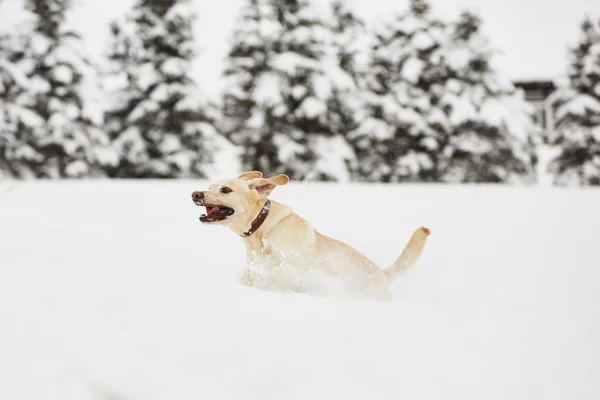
114 290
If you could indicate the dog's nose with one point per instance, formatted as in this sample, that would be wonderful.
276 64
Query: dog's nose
197 196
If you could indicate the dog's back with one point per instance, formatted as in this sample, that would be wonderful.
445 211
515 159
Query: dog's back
359 274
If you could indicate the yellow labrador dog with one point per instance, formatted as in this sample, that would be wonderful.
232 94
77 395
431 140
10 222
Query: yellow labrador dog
285 252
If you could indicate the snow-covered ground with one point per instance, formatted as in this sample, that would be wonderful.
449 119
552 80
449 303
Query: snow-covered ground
114 290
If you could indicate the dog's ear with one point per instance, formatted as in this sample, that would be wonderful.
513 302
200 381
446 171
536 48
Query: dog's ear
250 175
280 179
262 186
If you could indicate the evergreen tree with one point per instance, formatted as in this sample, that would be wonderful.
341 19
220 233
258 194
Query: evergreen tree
282 78
489 124
345 106
438 111
12 81
247 62
577 114
159 124
347 32
399 140
53 121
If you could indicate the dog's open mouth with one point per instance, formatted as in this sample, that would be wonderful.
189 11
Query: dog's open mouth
216 213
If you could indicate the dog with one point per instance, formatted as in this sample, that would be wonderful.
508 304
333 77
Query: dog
285 253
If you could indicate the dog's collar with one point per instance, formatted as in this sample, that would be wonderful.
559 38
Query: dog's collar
259 220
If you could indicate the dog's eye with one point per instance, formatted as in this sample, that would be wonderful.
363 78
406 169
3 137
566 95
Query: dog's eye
226 190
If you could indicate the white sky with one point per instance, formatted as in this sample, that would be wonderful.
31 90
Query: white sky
531 34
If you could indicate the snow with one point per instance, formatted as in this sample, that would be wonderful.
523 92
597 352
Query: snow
39 44
591 169
410 23
473 143
590 65
174 67
28 117
312 108
376 128
429 143
76 168
288 149
411 163
180 11
422 40
256 120
162 91
225 155
142 109
412 118
14 73
267 90
298 91
107 156
63 74
170 143
336 167
462 110
38 85
321 85
132 139
337 76
595 133
289 63
518 117
303 34
146 75
579 104
106 294
459 58
411 69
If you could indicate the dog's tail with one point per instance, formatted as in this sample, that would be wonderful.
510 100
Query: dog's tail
409 255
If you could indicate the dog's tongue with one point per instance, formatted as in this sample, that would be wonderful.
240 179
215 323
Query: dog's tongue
210 210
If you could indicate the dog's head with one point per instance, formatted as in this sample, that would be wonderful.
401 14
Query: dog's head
236 200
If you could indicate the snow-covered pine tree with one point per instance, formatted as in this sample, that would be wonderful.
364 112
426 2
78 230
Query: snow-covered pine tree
345 106
489 125
348 32
247 61
398 141
577 114
12 81
282 79
160 125
55 118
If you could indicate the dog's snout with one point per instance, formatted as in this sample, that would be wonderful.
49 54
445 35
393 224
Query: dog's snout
197 196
